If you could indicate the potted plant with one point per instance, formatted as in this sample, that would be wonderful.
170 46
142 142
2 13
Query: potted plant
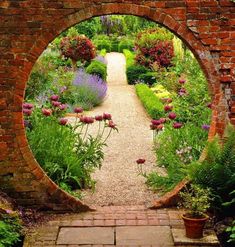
196 201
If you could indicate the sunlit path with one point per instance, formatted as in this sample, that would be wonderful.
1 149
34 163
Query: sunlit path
118 182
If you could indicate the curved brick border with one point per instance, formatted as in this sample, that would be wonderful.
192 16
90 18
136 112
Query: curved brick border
26 28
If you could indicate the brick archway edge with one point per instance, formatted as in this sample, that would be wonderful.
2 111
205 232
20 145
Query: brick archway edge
26 28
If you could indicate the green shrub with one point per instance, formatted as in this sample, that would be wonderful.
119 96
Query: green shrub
148 78
152 104
10 230
130 57
115 45
126 44
97 68
103 52
103 44
133 73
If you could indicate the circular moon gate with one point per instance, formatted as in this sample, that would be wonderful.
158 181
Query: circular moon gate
27 27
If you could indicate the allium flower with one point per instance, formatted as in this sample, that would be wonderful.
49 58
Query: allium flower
56 103
63 121
111 124
78 110
177 125
54 97
107 116
172 115
140 161
182 81
156 122
206 127
162 120
63 107
209 105
182 91
27 106
168 108
99 118
86 120
46 112
27 112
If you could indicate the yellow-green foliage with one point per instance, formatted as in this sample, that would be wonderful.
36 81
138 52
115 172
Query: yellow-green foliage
178 48
161 92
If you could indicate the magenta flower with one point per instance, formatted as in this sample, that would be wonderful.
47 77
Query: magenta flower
78 110
177 125
63 107
54 97
56 103
140 161
156 122
160 126
46 112
107 116
99 118
87 120
63 121
111 124
27 112
168 108
28 106
182 81
182 91
172 115
206 127
162 120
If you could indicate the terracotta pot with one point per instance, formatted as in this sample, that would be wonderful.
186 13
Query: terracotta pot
193 226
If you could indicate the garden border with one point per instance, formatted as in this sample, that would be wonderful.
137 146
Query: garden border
26 29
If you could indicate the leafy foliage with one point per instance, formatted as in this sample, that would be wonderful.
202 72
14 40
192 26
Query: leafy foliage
97 68
133 73
152 104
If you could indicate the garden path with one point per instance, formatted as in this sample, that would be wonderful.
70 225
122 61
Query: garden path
118 182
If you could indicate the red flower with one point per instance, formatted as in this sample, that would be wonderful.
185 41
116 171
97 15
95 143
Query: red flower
28 106
54 97
140 161
111 124
172 115
87 120
182 81
107 116
156 122
63 121
99 118
168 107
46 112
27 112
160 126
177 125
56 103
78 110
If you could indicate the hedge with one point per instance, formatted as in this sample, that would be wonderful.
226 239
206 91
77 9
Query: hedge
97 68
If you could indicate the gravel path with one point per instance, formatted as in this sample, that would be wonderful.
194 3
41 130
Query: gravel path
118 182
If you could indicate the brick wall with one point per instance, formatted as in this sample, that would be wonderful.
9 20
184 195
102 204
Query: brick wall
26 28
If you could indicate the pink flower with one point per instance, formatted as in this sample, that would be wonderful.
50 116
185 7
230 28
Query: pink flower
111 124
172 115
54 97
56 103
63 121
169 100
99 118
168 108
63 107
78 110
162 120
182 91
46 112
140 161
160 126
28 106
107 116
182 81
177 125
87 120
156 122
27 112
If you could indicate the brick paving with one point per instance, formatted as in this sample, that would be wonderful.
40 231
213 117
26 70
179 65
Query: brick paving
115 217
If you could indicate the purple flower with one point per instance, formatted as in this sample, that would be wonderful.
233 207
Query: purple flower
172 115
101 59
206 127
56 103
54 97
63 107
182 91
27 106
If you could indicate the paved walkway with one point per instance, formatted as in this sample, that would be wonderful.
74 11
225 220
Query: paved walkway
109 226
118 182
